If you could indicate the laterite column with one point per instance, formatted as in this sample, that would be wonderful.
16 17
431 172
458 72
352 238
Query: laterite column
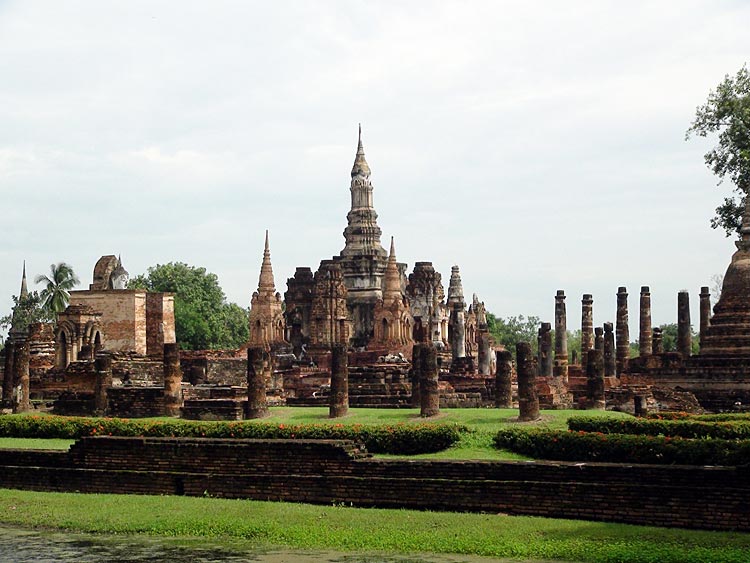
561 337
587 327
21 401
503 380
172 380
429 393
103 366
705 311
528 401
610 368
644 336
622 330
416 375
257 358
595 380
545 350
683 324
339 405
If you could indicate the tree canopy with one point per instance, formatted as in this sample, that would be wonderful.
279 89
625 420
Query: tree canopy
727 113
26 310
203 318
513 330
56 294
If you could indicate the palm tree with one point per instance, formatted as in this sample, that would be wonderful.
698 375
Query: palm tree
56 295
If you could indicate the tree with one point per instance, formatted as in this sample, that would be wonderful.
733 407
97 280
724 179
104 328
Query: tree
669 338
203 318
727 112
26 310
513 330
56 294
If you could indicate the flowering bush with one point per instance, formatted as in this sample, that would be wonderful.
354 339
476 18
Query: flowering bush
622 448
383 438
683 428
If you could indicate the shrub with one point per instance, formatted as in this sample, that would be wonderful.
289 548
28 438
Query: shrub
384 438
683 428
622 448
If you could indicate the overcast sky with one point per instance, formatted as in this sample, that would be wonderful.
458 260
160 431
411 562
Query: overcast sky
538 145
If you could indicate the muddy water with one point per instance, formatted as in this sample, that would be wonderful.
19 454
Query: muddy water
34 546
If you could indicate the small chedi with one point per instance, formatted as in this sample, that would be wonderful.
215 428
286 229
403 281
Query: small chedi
113 350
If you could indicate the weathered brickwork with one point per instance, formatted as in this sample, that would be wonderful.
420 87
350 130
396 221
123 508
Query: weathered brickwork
333 471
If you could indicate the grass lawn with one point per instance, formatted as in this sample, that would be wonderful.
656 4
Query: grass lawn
362 529
477 444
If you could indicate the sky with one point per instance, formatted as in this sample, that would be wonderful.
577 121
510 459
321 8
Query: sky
537 145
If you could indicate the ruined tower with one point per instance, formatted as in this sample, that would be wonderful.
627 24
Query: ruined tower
266 315
392 319
363 259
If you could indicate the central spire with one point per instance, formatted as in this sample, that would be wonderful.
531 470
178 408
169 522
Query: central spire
362 233
266 282
24 288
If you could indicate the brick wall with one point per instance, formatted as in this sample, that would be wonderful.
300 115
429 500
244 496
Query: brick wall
323 471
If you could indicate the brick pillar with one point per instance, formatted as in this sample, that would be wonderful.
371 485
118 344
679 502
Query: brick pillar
484 352
458 345
416 375
610 365
21 401
705 311
598 339
339 405
595 380
528 401
683 323
545 350
561 337
103 366
172 380
644 336
10 350
429 393
587 327
622 330
257 358
657 344
503 380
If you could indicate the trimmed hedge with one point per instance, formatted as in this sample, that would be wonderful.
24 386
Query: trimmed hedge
723 417
622 448
682 428
383 438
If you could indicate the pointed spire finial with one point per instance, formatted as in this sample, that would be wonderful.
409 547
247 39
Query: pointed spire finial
360 168
266 247
266 281
393 249
24 287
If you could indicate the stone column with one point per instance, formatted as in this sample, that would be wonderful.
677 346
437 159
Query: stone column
429 393
598 339
21 402
609 351
8 373
528 401
683 323
705 311
657 344
458 346
595 380
503 380
561 337
172 380
103 366
644 336
416 375
257 358
587 327
622 330
484 358
339 405
545 350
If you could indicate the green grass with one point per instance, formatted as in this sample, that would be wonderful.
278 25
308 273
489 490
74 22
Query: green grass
476 445
300 526
35 443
